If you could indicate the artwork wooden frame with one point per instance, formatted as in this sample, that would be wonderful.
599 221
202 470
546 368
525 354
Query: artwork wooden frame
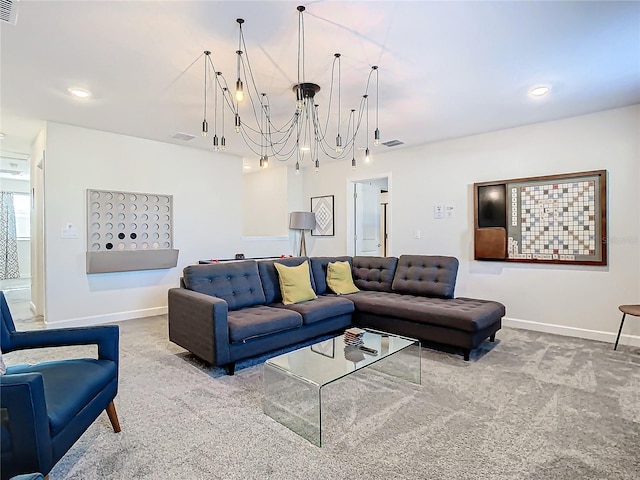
323 208
558 219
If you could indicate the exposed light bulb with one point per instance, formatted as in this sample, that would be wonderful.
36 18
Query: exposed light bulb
338 144
317 166
205 128
367 156
215 143
299 98
238 123
297 168
266 162
239 91
376 137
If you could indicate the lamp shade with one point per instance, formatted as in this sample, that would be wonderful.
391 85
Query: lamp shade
302 220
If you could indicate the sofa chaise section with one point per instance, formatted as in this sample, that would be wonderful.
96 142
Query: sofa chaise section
418 302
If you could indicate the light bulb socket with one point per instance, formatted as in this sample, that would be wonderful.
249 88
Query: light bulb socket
205 128
317 165
297 168
376 137
261 162
367 157
223 143
353 163
238 123
215 143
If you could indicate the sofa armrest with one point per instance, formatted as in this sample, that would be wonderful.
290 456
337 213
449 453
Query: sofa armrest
25 424
198 322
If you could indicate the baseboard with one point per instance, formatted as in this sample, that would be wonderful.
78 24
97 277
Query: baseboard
600 336
109 318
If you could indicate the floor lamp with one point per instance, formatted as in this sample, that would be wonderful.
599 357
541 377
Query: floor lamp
302 221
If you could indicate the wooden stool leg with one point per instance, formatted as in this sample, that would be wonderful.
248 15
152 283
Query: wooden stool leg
619 331
113 416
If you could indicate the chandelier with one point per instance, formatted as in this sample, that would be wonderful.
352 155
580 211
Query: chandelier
304 136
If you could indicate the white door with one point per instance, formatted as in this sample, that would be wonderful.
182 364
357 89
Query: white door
367 219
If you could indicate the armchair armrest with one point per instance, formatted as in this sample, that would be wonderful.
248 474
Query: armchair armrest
198 322
106 337
25 427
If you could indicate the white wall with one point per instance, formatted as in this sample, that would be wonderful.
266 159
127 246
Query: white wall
14 185
265 203
572 300
207 217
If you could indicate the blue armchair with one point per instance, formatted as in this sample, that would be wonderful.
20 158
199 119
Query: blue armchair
46 407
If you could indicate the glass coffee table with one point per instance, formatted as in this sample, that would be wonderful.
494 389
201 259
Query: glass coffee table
293 382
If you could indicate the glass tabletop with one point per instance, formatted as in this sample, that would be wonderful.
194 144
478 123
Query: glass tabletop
330 360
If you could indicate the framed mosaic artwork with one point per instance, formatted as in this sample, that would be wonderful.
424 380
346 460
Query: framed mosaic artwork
550 219
322 207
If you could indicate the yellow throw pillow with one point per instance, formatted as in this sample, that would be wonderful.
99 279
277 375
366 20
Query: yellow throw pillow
339 278
295 283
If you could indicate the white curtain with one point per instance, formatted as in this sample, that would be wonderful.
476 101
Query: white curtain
8 238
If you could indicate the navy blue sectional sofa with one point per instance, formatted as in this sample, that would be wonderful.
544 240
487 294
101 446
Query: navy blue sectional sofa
226 312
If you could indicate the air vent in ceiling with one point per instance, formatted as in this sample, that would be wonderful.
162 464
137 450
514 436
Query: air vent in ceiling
10 172
392 143
181 136
9 11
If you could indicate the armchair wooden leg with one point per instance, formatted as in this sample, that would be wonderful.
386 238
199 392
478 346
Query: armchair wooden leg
113 416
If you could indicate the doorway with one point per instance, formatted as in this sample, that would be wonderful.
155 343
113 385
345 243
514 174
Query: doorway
15 242
370 217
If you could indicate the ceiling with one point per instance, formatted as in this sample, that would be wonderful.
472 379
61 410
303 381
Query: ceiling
447 69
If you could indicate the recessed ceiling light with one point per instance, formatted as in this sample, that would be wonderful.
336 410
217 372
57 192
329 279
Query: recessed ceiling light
79 92
539 90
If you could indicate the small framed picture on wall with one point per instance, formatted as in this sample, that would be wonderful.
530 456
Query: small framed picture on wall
323 209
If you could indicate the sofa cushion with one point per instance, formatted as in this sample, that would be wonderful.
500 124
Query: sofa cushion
374 273
270 280
322 308
426 275
467 314
319 270
339 278
237 283
295 283
259 321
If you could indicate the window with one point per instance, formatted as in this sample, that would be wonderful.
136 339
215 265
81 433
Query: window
22 207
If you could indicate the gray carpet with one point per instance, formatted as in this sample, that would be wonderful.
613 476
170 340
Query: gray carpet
530 406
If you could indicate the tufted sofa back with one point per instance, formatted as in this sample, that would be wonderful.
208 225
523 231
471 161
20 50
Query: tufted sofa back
426 275
319 270
237 283
374 273
270 279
